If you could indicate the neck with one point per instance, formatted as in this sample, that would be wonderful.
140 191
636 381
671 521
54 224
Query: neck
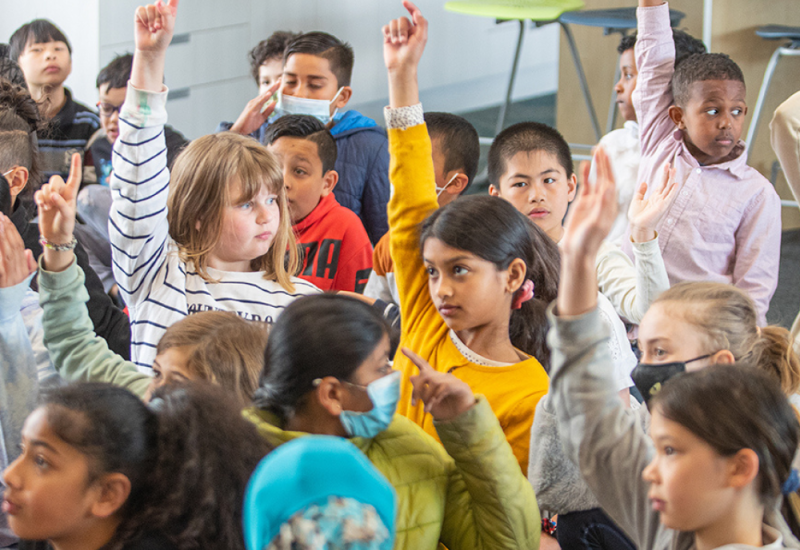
56 95
92 537
315 424
742 524
241 266
556 234
490 341
703 158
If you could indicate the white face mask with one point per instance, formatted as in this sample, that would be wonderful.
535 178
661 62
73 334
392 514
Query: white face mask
318 108
440 190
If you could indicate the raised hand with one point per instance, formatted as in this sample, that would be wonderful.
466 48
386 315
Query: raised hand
444 395
256 112
645 213
57 203
16 263
404 40
154 26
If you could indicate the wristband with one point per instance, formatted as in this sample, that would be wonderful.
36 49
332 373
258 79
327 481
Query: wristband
59 247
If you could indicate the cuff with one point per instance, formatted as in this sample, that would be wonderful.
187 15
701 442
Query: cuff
404 117
54 281
646 248
464 436
11 298
143 108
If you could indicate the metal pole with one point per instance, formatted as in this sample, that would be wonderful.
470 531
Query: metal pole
582 78
501 118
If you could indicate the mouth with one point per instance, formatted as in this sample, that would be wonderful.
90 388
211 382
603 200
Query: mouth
658 504
265 236
10 507
52 69
725 141
448 310
538 213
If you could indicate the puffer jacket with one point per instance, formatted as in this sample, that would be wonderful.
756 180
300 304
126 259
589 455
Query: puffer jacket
467 493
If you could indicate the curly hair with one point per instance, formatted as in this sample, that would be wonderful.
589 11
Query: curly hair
685 45
269 49
701 67
19 122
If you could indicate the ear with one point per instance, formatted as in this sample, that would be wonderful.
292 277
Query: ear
676 114
722 357
114 489
329 180
516 275
344 97
17 180
743 468
572 187
458 184
494 191
330 394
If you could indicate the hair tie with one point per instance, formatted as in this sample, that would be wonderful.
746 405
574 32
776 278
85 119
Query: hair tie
524 294
792 484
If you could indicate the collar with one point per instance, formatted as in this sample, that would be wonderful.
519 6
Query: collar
473 357
737 166
632 127
325 205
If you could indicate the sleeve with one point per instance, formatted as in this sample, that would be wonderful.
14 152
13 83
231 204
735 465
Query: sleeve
603 438
489 503
376 195
785 139
758 250
138 226
655 61
632 287
355 260
77 353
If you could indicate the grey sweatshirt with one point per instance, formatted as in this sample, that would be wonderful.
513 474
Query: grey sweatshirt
606 440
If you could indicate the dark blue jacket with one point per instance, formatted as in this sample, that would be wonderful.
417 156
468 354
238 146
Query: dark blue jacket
363 167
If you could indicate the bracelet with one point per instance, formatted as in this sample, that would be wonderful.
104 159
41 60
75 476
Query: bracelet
59 247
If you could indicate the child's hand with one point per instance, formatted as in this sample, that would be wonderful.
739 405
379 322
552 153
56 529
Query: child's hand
154 25
256 112
444 395
645 213
57 202
404 41
16 263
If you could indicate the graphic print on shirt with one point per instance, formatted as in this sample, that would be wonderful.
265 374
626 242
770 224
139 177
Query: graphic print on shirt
321 259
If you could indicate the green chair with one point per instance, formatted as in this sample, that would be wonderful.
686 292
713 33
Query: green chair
539 12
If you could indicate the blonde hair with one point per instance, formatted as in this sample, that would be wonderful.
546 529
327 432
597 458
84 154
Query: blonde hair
201 189
224 349
728 320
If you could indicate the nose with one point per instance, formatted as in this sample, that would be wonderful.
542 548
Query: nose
535 193
263 214
725 121
443 288
650 473
618 87
11 478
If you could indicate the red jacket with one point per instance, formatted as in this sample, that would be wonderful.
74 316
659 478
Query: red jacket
337 252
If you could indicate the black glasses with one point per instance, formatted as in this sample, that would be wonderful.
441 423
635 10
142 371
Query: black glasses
107 109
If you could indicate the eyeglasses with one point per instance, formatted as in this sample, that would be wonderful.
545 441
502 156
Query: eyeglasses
107 109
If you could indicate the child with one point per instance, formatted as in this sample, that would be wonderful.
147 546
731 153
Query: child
622 145
337 254
45 56
19 161
316 81
112 83
726 224
292 501
100 469
266 59
217 236
327 372
723 438
456 150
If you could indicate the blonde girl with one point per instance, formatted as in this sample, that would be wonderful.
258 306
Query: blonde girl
216 235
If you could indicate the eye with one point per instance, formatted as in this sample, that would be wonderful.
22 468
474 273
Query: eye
40 462
386 369
459 270
289 82
315 86
712 112
658 352
431 271
519 184
669 451
737 112
300 172
246 205
157 374
271 200
549 180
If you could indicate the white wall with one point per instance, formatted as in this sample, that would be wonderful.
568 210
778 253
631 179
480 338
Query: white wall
465 66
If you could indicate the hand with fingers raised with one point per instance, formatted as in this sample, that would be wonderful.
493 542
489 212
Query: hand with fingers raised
57 203
154 26
403 43
644 214
16 263
256 112
445 396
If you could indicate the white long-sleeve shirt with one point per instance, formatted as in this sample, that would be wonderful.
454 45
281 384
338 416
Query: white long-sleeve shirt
157 285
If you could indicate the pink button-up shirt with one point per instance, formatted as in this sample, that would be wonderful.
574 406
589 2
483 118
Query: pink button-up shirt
725 225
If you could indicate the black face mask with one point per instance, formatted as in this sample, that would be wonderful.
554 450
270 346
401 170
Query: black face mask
5 196
648 377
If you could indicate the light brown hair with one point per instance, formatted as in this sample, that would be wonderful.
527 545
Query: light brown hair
225 349
728 320
202 187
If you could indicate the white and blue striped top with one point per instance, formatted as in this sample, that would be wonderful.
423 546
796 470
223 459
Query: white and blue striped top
158 287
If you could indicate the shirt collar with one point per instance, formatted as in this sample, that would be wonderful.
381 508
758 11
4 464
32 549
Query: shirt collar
736 166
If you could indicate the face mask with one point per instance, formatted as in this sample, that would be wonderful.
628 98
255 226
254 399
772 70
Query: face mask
318 108
384 394
648 378
440 190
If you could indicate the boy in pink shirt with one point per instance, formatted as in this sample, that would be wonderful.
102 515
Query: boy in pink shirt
725 225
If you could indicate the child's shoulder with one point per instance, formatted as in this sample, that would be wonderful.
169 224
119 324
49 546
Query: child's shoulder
352 124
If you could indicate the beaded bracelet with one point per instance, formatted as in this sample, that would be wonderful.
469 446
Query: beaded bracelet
59 247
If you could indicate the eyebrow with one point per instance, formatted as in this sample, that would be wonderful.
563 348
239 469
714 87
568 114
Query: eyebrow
451 260
310 77
40 443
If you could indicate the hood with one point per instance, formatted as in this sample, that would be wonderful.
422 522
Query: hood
352 121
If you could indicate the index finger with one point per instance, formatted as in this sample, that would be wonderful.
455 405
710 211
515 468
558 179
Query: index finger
421 363
75 173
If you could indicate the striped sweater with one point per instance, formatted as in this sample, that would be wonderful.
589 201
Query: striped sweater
67 133
157 285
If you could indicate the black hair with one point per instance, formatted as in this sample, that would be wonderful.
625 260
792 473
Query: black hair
317 336
459 142
308 128
527 137
701 67
9 69
269 49
19 122
117 73
685 45
735 407
492 229
5 196
321 44
38 31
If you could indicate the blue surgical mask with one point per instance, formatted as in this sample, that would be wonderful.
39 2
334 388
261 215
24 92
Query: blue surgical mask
318 108
384 394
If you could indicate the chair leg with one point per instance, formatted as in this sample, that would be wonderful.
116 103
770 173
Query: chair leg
501 117
613 107
762 95
582 78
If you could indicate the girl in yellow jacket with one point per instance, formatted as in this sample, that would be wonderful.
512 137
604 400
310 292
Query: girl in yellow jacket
474 277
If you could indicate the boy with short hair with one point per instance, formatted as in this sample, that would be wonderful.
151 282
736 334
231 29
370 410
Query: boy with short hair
456 150
725 226
337 252
266 59
317 70
45 56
